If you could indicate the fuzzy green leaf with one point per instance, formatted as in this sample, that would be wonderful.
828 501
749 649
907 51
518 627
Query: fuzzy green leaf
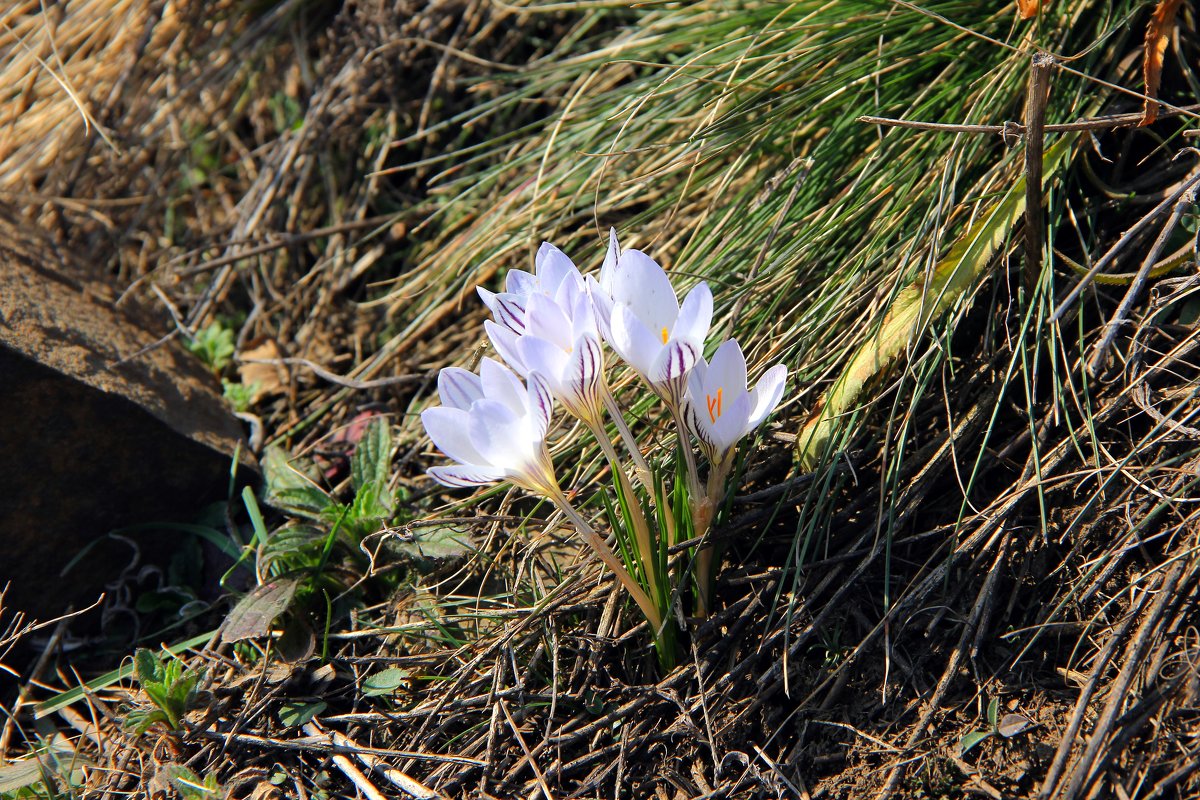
296 713
438 543
288 488
385 682
1013 724
149 669
373 455
254 613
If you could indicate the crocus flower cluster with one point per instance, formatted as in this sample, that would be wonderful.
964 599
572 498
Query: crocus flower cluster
550 327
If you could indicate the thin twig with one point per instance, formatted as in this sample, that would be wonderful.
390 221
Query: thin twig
1135 289
1017 129
321 744
401 781
340 380
1035 140
541 779
1126 237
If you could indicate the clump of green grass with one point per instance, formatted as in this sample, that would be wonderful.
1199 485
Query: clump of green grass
725 141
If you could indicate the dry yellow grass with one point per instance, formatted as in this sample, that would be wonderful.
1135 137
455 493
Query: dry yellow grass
61 69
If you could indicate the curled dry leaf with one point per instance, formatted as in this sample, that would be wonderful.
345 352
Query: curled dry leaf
269 379
1157 34
1028 9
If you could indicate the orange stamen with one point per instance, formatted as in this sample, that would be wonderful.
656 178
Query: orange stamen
664 335
714 406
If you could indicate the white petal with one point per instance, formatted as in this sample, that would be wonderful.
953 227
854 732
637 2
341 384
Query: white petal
583 317
767 394
500 384
458 387
489 300
697 384
505 343
502 438
520 282
732 424
447 427
727 370
609 268
633 340
553 267
695 315
569 291
543 357
673 361
645 288
602 304
546 320
461 475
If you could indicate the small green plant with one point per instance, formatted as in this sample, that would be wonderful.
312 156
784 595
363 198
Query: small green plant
239 395
191 786
304 563
170 687
214 345
373 505
1008 727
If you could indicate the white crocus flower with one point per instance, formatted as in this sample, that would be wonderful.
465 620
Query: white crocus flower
641 317
561 343
494 426
722 411
547 325
554 275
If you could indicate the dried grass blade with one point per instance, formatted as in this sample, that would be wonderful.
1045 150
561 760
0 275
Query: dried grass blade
918 305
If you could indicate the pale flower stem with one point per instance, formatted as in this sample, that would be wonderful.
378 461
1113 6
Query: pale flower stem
641 468
705 564
689 457
640 526
597 543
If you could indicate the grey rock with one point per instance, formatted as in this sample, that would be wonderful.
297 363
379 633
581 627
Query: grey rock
98 430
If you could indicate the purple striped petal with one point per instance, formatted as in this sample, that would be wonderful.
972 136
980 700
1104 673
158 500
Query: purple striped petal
673 361
506 343
458 388
465 475
541 404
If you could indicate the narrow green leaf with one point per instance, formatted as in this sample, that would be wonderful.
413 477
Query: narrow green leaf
256 517
71 696
919 304
970 740
993 713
